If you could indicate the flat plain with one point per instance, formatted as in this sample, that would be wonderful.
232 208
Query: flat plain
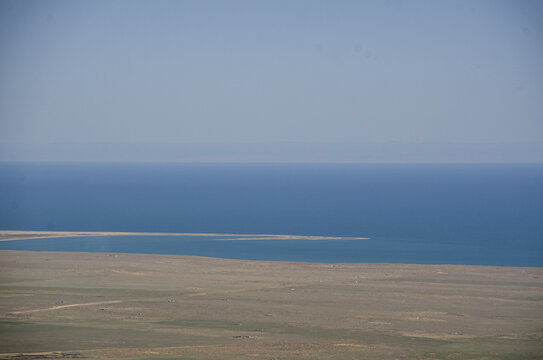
129 306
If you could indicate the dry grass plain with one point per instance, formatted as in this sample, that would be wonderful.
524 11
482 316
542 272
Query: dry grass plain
127 306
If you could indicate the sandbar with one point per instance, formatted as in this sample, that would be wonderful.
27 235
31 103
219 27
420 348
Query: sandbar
10 235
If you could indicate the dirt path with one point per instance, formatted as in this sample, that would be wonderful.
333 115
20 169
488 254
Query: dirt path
58 307
69 306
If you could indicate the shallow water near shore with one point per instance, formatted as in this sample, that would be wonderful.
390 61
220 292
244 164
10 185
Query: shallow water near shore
321 251
489 214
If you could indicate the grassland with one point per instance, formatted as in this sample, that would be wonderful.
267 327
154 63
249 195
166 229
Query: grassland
120 306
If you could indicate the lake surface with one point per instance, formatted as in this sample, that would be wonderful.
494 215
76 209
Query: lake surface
490 214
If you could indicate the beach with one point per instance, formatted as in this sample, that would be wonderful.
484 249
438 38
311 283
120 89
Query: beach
128 306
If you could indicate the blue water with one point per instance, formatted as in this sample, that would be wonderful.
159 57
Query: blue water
489 214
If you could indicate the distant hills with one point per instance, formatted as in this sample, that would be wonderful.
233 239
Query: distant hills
276 152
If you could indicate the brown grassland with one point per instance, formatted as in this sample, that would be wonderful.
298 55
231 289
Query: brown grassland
127 306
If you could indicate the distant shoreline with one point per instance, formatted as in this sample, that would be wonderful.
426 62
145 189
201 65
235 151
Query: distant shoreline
10 235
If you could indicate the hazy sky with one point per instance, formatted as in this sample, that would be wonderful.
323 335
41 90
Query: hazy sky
265 71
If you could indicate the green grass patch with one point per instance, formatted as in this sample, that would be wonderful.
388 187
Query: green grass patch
331 334
27 337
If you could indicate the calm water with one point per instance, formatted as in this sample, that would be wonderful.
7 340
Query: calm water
459 214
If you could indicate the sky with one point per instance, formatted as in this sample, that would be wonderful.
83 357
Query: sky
260 72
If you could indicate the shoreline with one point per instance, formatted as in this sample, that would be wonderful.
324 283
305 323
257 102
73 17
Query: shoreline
14 235
331 265
10 235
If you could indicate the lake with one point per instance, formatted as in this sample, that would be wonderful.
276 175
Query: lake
482 214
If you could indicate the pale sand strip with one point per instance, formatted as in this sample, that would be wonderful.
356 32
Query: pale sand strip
9 235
